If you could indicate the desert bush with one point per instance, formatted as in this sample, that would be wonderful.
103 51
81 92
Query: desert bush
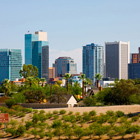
11 131
78 117
3 109
10 102
17 108
92 113
21 114
49 115
85 113
99 131
11 112
20 130
49 134
35 111
58 132
112 121
134 129
27 110
123 119
119 114
68 132
56 116
86 118
110 113
35 118
42 111
78 132
70 113
56 124
130 115
42 117
55 112
121 130
28 124
111 133
103 118
34 132
62 111
13 123
135 118
77 113
94 119
88 132
41 135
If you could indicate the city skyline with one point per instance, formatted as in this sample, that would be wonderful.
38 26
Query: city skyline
70 24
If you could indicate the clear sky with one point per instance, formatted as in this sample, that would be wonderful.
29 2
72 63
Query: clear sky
70 24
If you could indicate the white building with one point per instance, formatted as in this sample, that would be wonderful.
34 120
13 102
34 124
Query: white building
117 57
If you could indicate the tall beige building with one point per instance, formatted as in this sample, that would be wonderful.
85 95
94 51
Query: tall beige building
51 72
117 57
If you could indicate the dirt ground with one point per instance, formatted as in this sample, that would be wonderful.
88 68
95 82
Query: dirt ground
101 109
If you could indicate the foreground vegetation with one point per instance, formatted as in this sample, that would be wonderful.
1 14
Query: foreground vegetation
61 124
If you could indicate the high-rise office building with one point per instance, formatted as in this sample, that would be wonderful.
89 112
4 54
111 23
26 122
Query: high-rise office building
65 65
135 58
93 60
117 58
10 64
37 52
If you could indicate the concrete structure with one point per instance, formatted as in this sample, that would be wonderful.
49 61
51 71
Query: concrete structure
117 57
10 64
65 65
134 70
93 60
37 52
51 72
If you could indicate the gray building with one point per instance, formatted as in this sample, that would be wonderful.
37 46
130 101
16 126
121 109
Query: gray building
134 70
93 60
117 58
65 65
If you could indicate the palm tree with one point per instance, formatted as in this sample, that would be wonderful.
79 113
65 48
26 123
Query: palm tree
6 86
83 78
98 77
67 76
42 80
85 83
30 80
38 80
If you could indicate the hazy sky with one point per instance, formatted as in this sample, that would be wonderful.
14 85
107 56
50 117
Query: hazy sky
70 24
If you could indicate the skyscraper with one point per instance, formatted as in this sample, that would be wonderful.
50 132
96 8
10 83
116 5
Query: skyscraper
117 59
65 65
37 52
93 60
10 64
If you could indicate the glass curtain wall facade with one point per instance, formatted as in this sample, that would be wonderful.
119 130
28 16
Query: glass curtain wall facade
10 64
40 58
37 52
93 60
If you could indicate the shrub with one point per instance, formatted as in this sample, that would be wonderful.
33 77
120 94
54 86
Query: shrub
10 102
41 135
35 118
85 113
56 124
55 112
77 113
130 115
34 132
92 113
70 113
11 131
112 121
27 110
62 111
42 111
110 113
78 132
35 111
111 133
58 132
119 113
28 124
19 98
123 119
21 114
17 108
3 109
103 118
49 134
56 116
49 115
86 118
11 112
94 118
21 130
78 117
42 117
135 118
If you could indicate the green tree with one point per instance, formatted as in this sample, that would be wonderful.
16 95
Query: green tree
28 71
38 80
67 76
6 86
83 78
90 101
98 77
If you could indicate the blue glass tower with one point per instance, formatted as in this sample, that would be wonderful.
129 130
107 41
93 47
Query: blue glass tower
10 64
37 52
93 60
